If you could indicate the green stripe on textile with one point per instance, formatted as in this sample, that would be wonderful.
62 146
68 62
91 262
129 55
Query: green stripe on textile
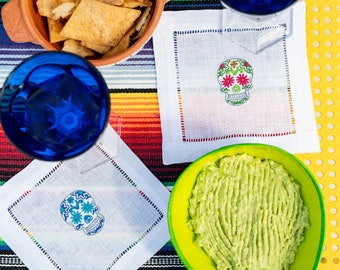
2 243
1 183
167 184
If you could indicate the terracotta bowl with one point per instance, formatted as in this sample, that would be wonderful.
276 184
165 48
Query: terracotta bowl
23 23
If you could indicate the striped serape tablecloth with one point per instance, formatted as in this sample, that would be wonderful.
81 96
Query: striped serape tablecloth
133 94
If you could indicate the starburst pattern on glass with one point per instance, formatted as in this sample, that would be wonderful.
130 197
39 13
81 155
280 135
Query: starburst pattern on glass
54 105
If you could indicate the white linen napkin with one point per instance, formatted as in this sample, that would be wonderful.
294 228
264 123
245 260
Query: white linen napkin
58 215
214 92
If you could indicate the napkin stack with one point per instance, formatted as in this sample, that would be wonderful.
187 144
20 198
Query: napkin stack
102 210
224 79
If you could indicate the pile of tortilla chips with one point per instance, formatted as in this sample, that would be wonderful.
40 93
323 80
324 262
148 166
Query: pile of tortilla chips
92 28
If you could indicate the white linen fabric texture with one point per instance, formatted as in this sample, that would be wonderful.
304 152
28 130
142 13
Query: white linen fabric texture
195 117
130 198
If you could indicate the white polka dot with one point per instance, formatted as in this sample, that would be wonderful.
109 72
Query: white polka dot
329 78
329 90
330 102
332 198
331 162
331 150
330 126
319 174
332 186
332 174
333 210
329 67
334 235
330 114
331 138
328 55
307 162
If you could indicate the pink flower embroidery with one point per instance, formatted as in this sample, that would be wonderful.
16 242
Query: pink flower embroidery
228 81
242 79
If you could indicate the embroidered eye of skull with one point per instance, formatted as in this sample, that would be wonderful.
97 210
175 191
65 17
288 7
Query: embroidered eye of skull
235 76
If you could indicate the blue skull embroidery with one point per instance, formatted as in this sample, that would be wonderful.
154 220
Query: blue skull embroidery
80 211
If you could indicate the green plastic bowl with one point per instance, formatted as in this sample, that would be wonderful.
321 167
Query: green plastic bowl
309 251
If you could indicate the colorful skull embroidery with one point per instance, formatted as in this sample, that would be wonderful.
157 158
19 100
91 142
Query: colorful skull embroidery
235 78
80 211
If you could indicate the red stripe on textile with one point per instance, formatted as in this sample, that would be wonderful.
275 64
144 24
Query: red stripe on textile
12 161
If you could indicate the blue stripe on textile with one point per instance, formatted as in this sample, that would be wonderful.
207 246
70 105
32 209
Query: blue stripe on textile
192 5
138 72
4 247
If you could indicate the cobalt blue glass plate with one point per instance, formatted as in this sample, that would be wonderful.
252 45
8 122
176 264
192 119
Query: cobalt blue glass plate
54 105
258 7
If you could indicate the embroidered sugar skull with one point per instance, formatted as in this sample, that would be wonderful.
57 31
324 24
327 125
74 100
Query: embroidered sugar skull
235 77
80 211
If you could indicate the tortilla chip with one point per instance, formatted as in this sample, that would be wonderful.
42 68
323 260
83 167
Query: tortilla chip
96 47
137 3
142 19
141 24
74 46
63 10
113 2
100 23
54 28
122 46
45 7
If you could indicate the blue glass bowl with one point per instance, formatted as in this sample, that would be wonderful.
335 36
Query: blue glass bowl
54 106
258 7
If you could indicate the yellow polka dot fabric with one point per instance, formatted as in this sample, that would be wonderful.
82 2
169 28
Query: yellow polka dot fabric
323 46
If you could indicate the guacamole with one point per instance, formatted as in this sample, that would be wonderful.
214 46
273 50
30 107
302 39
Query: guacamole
247 213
